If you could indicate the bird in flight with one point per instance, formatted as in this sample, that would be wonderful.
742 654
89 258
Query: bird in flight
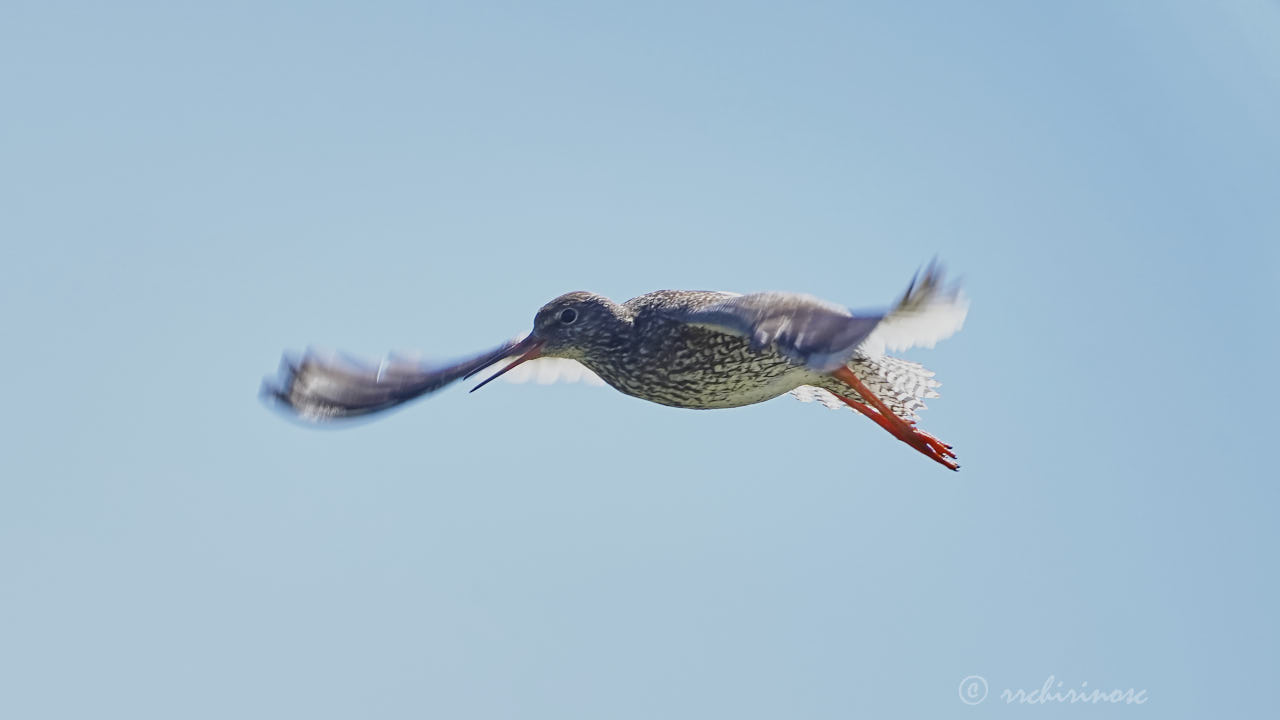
686 349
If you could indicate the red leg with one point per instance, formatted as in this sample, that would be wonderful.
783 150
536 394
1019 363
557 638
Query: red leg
871 413
923 442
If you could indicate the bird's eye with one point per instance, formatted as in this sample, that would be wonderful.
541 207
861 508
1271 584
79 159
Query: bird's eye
568 316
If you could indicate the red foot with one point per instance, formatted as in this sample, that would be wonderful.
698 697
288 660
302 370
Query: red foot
928 445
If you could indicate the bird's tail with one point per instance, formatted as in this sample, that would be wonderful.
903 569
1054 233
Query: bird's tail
902 385
909 383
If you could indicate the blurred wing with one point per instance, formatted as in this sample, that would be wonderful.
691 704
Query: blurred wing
814 332
548 370
928 311
823 335
320 387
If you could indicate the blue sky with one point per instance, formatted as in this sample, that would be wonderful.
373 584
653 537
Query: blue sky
187 189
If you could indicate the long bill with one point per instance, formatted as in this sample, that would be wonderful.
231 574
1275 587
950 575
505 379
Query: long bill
529 348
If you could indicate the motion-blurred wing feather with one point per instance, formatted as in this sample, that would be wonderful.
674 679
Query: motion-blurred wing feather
320 387
813 332
549 370
929 311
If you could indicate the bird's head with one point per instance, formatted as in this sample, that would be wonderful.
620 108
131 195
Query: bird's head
575 325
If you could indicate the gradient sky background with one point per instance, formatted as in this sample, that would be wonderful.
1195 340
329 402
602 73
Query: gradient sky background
187 189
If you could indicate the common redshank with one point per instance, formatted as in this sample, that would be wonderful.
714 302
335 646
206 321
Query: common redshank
686 349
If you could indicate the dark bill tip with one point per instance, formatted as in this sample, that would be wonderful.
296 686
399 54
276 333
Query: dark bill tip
532 349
